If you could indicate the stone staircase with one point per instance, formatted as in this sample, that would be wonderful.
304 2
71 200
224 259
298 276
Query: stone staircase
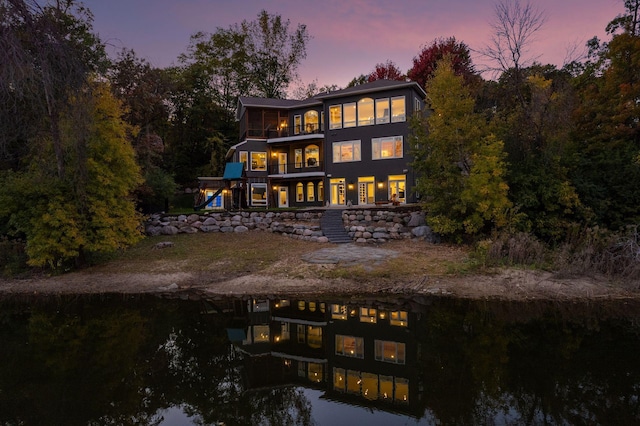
332 227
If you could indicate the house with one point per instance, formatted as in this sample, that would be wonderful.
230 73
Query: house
349 146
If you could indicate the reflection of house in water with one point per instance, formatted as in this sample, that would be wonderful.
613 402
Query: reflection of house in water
356 353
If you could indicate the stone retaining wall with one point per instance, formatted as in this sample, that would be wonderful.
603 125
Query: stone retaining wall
363 226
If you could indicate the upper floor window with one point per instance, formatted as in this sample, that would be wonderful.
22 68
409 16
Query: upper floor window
382 111
258 161
393 352
350 346
312 155
243 157
346 151
365 112
335 117
311 124
389 147
349 115
398 109
297 124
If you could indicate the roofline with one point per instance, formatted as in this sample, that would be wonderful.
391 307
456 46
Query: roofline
358 91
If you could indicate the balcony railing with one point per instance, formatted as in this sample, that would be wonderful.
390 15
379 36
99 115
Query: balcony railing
311 165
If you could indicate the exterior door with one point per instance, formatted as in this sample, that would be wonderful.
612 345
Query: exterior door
397 186
337 192
282 163
283 196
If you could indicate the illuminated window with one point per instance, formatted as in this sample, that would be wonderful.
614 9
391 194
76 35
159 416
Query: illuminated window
243 157
311 122
302 305
382 111
350 346
300 331
398 109
339 312
258 194
399 318
368 315
386 387
349 114
339 379
258 161
365 112
297 155
389 147
312 155
402 390
312 306
335 117
353 382
393 352
320 191
311 192
297 124
315 372
299 192
260 333
282 303
322 307
285 331
346 151
314 337
369 386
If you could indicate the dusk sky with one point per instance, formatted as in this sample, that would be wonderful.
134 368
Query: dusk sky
349 37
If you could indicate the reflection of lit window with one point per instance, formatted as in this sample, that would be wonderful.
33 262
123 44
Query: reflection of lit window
368 315
369 386
314 337
282 303
339 379
350 346
393 352
353 382
301 305
339 312
315 372
285 332
260 333
312 306
301 333
386 387
399 318
402 390
258 161
322 307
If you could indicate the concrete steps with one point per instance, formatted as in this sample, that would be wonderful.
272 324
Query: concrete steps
333 227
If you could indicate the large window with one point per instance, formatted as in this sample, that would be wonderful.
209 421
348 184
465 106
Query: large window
390 147
312 155
258 194
393 352
365 112
349 115
350 346
311 191
335 117
398 109
311 122
382 111
299 192
258 161
346 151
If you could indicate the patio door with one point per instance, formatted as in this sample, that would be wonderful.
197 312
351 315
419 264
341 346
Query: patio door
283 196
282 162
337 192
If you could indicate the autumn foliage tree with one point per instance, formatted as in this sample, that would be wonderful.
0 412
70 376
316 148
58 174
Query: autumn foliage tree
460 162
424 65
386 71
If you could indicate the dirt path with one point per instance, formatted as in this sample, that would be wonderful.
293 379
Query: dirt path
306 274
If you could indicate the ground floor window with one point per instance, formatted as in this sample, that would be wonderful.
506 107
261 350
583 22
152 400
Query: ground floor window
397 188
311 192
299 192
350 346
393 352
258 194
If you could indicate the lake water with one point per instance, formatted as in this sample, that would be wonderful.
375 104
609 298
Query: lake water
145 360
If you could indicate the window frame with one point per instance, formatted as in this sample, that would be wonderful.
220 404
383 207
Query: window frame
399 353
398 115
258 169
335 117
243 157
376 152
254 185
354 143
363 104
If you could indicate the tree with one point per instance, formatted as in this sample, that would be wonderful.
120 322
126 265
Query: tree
425 63
386 71
607 136
460 164
273 52
515 26
89 210
46 54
